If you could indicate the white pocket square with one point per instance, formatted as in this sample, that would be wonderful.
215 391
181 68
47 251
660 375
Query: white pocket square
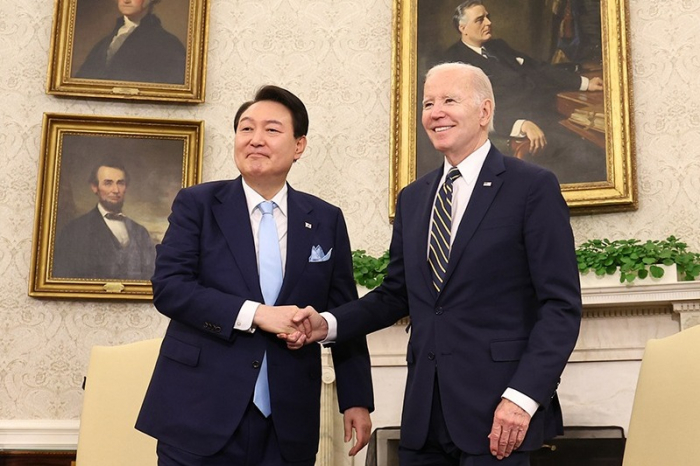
317 254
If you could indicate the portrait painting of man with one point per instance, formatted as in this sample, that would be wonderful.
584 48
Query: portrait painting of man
113 203
544 61
131 40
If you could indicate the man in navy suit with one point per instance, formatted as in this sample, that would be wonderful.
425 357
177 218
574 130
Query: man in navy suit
494 320
199 404
526 90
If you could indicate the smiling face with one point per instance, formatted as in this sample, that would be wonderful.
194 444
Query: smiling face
134 9
110 188
265 147
456 123
475 26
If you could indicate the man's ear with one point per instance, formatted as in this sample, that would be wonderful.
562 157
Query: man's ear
485 112
300 147
94 188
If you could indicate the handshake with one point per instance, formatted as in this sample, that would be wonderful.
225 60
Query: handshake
297 326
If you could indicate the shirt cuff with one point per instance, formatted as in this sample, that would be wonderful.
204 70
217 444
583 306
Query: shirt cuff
522 400
517 131
584 83
244 321
332 328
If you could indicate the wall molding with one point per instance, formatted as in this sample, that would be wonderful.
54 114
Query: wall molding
39 434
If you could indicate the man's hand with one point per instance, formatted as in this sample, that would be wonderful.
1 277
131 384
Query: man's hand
357 419
535 135
510 423
278 319
595 84
312 328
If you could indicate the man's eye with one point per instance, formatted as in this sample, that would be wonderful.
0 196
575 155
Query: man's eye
427 105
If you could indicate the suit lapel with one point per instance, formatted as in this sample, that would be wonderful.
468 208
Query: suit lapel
232 216
425 210
301 225
488 183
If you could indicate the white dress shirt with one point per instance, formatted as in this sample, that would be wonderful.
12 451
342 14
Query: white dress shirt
117 227
244 322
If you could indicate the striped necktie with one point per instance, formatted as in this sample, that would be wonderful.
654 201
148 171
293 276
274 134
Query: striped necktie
439 251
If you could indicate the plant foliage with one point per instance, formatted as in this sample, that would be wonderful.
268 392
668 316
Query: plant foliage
636 259
369 271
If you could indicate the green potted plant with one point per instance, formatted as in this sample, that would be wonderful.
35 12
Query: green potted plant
369 271
636 259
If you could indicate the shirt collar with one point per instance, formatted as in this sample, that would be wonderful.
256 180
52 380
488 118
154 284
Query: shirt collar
129 23
104 211
253 198
476 49
471 165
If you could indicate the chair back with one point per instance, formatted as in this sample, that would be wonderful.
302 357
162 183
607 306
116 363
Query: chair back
664 424
116 383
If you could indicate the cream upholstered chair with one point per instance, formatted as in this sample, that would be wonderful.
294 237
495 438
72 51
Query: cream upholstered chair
116 383
665 424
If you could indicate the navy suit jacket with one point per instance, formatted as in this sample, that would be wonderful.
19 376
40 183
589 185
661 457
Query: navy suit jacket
206 268
509 311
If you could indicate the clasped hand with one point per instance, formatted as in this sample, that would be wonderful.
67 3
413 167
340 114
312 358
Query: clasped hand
297 326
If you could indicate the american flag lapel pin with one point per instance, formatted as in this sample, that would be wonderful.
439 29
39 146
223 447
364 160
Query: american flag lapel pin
307 225
487 183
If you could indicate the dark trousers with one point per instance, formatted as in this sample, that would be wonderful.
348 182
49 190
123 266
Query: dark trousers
253 444
440 450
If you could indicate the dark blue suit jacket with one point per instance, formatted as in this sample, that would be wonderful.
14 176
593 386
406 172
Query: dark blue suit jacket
509 311
206 268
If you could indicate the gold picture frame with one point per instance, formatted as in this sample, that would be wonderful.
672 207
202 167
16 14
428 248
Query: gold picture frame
616 193
74 253
163 59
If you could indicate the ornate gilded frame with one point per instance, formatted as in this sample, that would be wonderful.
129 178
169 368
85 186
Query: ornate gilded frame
616 194
161 157
188 20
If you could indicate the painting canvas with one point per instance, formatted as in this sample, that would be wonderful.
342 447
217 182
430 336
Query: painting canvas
545 46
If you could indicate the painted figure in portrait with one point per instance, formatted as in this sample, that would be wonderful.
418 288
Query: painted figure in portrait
548 111
138 49
104 243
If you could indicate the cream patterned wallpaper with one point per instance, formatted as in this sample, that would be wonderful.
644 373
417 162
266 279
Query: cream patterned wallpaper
336 55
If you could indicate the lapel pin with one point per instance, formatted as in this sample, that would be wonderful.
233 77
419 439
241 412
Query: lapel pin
307 225
487 183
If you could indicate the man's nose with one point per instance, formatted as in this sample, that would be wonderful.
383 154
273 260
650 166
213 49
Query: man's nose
257 139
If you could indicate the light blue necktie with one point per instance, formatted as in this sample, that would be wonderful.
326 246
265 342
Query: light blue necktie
270 284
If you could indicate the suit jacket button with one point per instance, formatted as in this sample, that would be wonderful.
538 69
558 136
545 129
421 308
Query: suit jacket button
438 311
256 364
431 356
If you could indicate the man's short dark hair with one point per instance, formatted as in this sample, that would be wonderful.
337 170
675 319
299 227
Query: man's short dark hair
459 12
111 162
300 117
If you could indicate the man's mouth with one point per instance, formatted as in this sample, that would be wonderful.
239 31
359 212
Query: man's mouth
440 129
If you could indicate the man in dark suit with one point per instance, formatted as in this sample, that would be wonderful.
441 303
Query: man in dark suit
483 262
204 402
104 243
138 49
526 90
